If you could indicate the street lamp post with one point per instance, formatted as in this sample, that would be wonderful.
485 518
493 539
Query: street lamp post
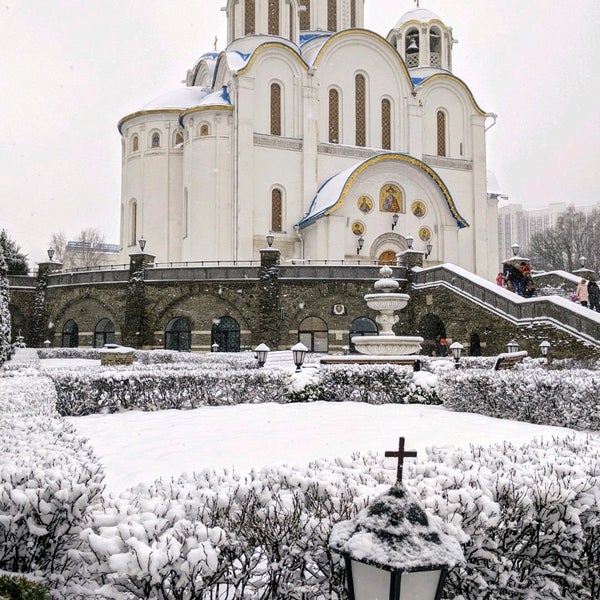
512 346
262 351
394 550
299 353
456 349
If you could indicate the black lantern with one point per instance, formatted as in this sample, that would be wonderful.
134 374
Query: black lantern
142 243
359 244
512 346
388 549
582 261
270 239
50 253
215 347
409 241
515 248
395 218
262 351
428 249
456 349
544 348
299 353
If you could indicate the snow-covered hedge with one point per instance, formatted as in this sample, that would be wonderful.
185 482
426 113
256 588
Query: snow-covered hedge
84 390
528 519
49 480
562 398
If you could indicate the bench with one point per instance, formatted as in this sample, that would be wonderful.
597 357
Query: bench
362 359
508 360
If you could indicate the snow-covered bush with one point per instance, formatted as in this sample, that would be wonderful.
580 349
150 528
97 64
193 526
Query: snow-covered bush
530 517
49 480
374 384
562 398
20 588
111 389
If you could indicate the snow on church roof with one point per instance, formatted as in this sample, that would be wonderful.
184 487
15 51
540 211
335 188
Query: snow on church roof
180 98
417 14
395 532
331 194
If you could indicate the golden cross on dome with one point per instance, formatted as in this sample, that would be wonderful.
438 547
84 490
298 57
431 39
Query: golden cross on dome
401 454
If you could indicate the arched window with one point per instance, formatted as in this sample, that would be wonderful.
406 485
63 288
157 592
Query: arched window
275 109
441 133
360 327
226 333
334 116
273 17
104 333
135 143
388 257
435 45
186 214
352 13
361 110
304 15
178 335
204 131
386 124
331 15
313 334
155 139
249 17
70 335
178 141
133 223
276 210
411 48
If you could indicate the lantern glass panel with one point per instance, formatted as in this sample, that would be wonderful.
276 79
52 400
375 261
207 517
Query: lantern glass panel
370 583
420 585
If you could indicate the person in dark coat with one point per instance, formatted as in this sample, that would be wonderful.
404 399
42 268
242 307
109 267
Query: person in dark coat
594 295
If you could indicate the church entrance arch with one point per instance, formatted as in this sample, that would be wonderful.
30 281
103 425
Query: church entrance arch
178 335
361 327
70 335
313 333
226 333
104 333
432 329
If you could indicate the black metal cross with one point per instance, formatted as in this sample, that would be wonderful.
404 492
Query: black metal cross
401 454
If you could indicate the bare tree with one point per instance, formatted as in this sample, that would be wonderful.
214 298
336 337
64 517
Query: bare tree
86 250
576 234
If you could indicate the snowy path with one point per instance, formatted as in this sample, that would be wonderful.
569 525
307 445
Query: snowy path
141 446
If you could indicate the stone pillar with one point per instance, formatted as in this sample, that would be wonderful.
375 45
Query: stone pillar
268 275
136 331
38 322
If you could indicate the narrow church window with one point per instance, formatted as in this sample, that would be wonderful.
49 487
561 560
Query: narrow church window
156 140
204 130
249 17
276 210
386 124
185 213
360 108
178 139
274 17
331 15
275 109
334 116
353 13
135 143
133 224
441 133
304 15
411 49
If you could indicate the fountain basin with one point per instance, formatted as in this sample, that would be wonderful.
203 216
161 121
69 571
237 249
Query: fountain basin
387 345
387 301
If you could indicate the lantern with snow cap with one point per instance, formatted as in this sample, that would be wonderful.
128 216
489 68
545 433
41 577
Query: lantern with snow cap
394 550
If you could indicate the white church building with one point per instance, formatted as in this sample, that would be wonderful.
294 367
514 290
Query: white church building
339 142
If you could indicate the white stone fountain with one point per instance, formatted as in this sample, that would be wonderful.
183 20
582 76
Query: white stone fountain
387 301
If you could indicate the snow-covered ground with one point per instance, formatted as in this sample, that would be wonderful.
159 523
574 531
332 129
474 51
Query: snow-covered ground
139 447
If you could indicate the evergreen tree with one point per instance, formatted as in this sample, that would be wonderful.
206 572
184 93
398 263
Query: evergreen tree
16 261
5 347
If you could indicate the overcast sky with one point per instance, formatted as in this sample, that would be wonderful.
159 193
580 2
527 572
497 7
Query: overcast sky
70 69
